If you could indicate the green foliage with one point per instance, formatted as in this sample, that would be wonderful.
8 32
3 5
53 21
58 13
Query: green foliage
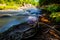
55 16
2 7
41 2
53 8
8 7
2 1
16 3
11 7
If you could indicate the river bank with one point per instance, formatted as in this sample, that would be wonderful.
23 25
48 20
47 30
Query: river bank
25 6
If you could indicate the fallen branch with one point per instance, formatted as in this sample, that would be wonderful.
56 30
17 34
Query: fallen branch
52 32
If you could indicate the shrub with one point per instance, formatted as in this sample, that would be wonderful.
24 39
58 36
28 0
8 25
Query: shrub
8 7
55 16
2 7
53 8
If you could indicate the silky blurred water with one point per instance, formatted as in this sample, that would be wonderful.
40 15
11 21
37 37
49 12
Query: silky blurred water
16 16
